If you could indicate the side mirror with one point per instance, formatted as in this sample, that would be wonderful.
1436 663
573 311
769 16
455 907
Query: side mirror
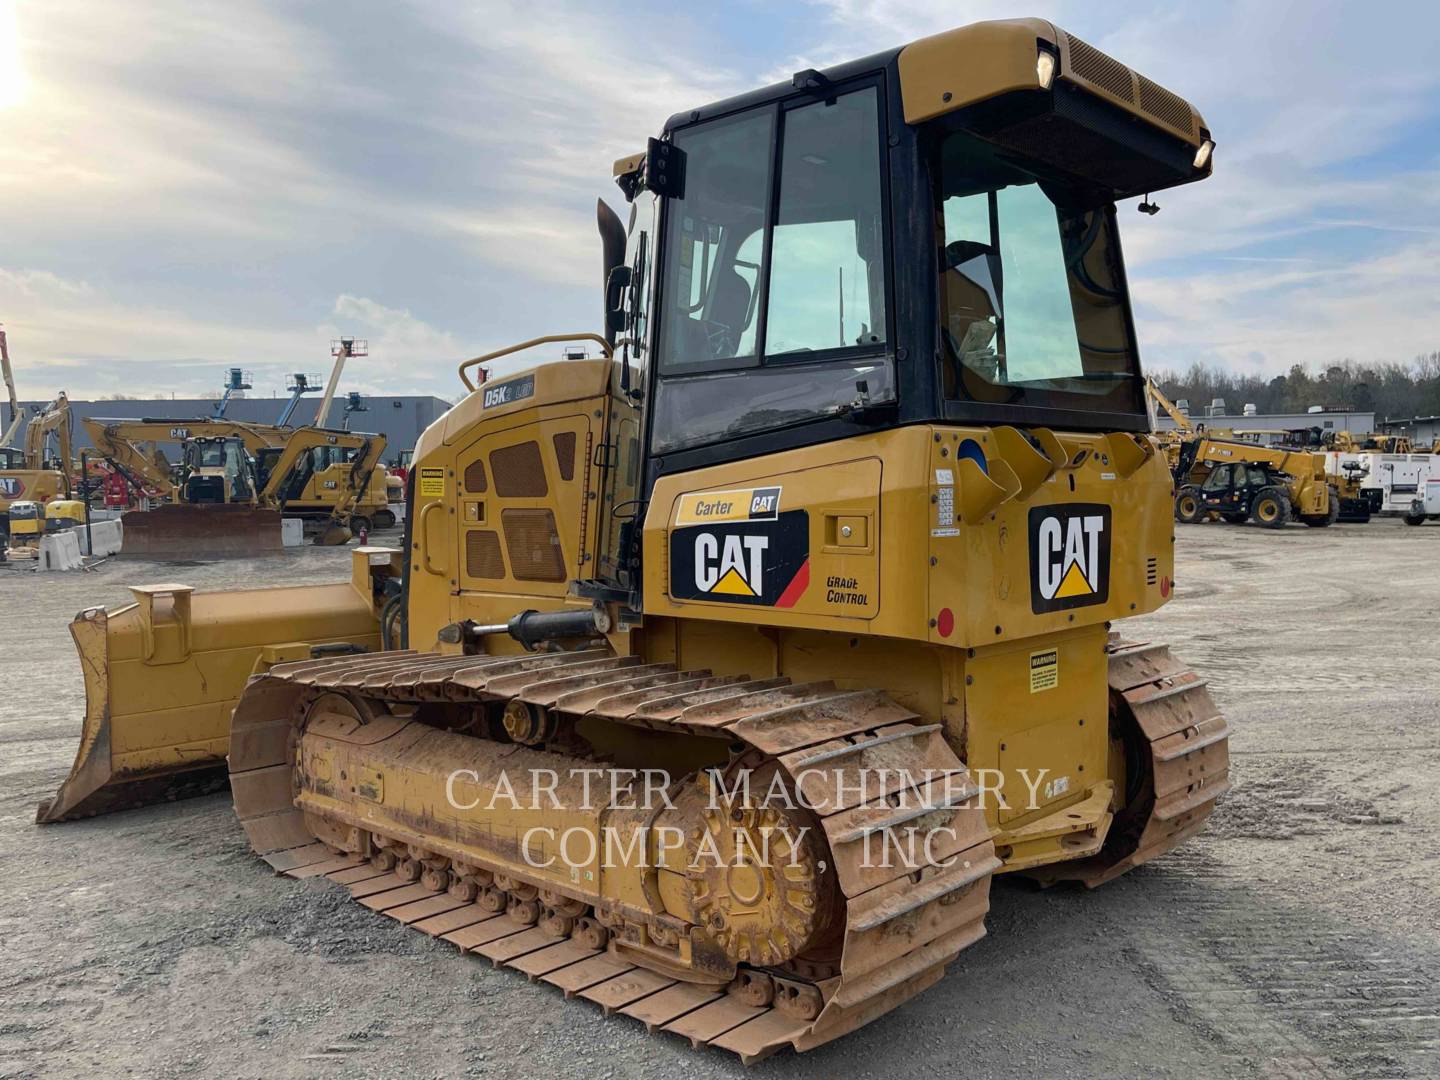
615 286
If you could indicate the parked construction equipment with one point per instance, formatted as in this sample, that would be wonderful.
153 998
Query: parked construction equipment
761 536
1240 481
34 474
12 427
235 480
236 381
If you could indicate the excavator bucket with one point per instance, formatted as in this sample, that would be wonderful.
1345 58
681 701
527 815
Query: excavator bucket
201 531
162 676
333 534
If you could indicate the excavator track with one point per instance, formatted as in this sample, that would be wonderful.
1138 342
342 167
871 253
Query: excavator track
896 922
1179 761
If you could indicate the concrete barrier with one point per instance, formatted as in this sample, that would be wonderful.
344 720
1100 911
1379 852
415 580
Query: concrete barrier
107 537
60 551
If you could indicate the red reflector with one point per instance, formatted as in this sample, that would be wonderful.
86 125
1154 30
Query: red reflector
1164 586
945 622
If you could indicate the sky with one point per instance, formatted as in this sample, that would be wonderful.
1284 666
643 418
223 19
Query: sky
188 185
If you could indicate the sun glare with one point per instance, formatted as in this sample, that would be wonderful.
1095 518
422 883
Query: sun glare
12 78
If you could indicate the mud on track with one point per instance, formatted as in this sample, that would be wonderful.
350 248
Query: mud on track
1295 938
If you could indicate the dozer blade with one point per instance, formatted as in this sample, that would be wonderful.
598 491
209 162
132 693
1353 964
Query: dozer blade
162 676
201 531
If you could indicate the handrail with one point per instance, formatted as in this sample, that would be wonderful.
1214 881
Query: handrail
424 536
548 339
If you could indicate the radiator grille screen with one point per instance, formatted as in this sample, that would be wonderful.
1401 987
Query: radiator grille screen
565 454
533 545
519 472
482 554
475 477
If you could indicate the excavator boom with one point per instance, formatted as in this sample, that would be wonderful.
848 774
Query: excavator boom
13 426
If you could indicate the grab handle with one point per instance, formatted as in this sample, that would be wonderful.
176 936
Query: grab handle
424 532
547 340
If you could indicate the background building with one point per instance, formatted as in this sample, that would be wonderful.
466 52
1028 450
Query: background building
1269 427
1423 430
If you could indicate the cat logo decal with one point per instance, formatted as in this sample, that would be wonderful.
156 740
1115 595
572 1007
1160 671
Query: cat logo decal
1069 556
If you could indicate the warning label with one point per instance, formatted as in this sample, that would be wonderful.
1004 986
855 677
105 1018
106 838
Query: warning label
1044 670
432 483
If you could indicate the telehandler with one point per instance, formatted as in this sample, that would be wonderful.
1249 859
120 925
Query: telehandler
1240 481
842 511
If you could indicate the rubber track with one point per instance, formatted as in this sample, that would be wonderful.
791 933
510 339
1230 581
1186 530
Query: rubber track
903 923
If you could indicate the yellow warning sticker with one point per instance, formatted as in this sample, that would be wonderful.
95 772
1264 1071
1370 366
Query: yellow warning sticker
1044 670
432 483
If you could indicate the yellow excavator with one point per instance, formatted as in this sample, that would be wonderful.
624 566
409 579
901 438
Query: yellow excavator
234 480
721 672
33 474
335 473
12 427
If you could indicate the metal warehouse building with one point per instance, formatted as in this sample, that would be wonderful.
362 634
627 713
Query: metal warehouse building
1271 425
400 419
1424 430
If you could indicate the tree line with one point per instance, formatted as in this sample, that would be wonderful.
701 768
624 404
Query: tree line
1393 391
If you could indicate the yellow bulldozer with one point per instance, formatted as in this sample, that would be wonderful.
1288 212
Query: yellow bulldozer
722 671
234 481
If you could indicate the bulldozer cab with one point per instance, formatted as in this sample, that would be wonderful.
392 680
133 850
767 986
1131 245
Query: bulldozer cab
865 250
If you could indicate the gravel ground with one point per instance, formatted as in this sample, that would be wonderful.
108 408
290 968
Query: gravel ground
1296 937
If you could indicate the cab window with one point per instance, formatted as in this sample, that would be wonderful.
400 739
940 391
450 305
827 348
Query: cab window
708 320
826 287
779 267
1219 478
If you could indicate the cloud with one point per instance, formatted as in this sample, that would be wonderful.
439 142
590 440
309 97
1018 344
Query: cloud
1264 318
152 352
400 346
191 185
